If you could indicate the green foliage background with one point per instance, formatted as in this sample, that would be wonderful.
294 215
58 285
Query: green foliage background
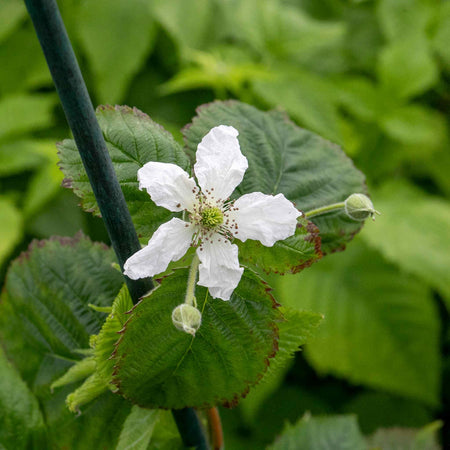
372 76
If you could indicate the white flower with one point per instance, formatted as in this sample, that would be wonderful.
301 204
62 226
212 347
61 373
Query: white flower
214 219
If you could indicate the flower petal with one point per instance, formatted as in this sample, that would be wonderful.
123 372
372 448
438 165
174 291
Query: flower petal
168 185
169 243
265 218
220 164
219 267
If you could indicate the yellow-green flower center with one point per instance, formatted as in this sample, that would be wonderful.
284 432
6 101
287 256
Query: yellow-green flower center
211 217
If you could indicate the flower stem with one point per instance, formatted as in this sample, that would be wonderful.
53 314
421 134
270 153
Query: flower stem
192 278
324 209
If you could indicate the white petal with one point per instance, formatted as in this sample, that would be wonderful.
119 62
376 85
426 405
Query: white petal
220 164
169 243
168 185
265 218
219 267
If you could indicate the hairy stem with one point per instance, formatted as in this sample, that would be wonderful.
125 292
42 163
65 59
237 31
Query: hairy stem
324 210
192 278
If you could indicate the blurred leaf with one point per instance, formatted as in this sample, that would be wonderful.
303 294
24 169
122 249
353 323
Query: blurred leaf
415 125
133 139
227 355
189 23
381 327
321 433
22 60
14 11
295 330
411 233
284 158
306 97
19 156
137 429
378 409
288 256
407 439
400 19
24 113
441 36
116 37
20 417
407 68
11 228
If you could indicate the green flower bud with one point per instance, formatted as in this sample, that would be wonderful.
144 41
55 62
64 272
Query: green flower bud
187 318
359 207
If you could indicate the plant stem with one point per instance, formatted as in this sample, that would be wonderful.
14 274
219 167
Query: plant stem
324 209
192 278
88 136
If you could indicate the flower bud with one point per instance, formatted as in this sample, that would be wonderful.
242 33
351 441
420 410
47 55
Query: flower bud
187 318
359 207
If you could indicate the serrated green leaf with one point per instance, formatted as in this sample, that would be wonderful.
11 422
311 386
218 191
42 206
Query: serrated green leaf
45 303
133 139
51 286
411 233
322 433
108 336
11 228
25 112
289 256
115 56
307 169
138 429
21 420
294 331
407 68
228 354
381 327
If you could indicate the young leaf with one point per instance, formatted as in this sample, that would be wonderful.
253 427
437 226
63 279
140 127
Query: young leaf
322 433
381 327
173 369
308 170
133 139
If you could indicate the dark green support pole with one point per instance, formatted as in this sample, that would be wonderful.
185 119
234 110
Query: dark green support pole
88 136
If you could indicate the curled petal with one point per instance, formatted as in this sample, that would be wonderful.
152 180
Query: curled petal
220 164
265 218
168 185
169 243
219 267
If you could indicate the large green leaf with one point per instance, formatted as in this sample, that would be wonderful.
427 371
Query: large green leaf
381 327
413 233
132 139
307 169
322 433
295 330
20 418
45 319
159 366
114 55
